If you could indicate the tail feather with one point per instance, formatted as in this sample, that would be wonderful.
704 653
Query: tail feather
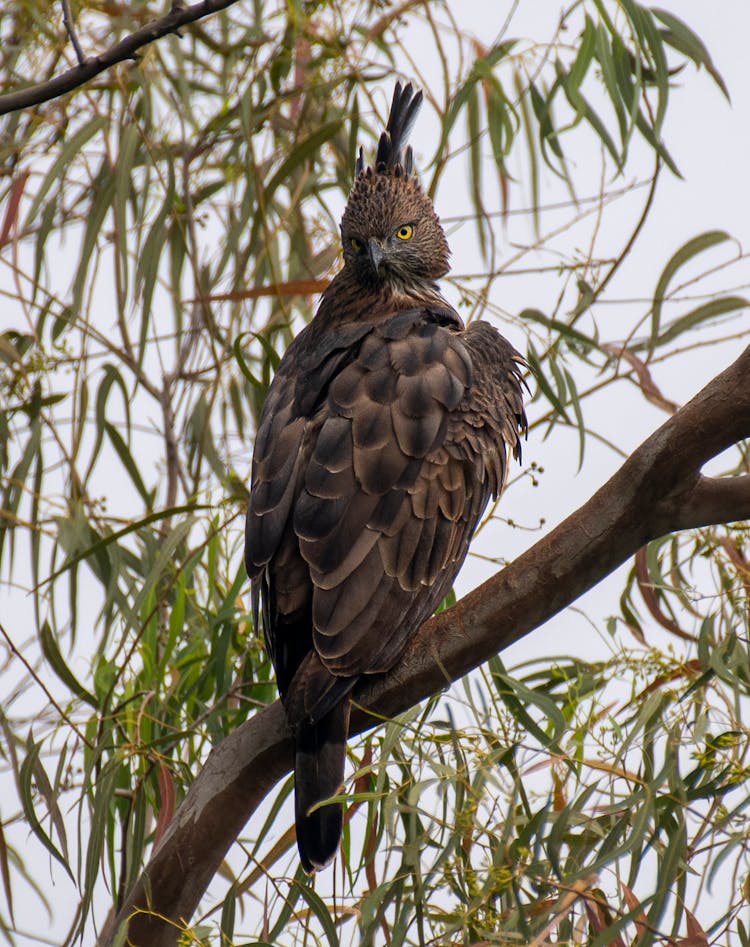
319 774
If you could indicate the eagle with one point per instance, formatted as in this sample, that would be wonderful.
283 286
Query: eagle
383 436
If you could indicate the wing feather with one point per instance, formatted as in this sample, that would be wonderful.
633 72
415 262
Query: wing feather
363 505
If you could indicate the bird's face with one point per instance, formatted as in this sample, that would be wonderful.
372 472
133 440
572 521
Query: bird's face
391 234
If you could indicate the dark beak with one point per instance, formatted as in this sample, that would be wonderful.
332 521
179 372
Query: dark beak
376 254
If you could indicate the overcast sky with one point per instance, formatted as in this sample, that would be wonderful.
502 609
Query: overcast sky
711 142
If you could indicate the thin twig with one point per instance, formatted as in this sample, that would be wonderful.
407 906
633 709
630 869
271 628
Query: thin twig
71 31
636 231
61 713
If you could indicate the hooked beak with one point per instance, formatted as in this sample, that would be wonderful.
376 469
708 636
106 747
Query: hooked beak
376 254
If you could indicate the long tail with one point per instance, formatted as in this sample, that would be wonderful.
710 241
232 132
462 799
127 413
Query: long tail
319 774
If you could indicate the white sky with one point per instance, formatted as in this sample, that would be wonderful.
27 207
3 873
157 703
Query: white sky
711 142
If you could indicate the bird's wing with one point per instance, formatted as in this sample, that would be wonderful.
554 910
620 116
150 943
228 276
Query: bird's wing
362 511
288 426
389 496
493 417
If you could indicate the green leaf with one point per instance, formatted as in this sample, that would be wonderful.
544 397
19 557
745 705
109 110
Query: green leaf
129 141
62 162
56 661
584 58
102 193
585 111
448 601
609 75
272 359
628 85
544 385
458 101
680 37
704 313
228 912
528 128
114 537
16 483
547 135
281 796
652 39
565 331
580 424
176 623
112 376
28 768
103 799
320 911
687 251
289 904
482 69
5 872
128 462
475 158
44 229
168 545
149 258
519 697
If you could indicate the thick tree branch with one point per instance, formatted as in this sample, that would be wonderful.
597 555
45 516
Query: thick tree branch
659 489
127 48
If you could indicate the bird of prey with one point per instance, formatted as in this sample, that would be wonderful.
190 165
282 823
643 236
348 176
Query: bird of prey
383 435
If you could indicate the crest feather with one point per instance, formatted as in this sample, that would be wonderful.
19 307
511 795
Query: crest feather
392 149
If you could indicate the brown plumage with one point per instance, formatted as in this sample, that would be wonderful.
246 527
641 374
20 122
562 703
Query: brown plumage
383 436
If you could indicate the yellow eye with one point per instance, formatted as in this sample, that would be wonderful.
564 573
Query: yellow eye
405 232
356 245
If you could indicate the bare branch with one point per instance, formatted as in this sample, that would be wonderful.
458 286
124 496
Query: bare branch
657 490
71 31
123 50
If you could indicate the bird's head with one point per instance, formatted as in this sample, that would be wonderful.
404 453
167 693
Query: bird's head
390 231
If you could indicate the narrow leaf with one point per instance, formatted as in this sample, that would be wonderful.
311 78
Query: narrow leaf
11 210
166 798
687 251
56 661
26 792
703 313
5 872
321 912
680 37
300 154
63 160
128 462
102 188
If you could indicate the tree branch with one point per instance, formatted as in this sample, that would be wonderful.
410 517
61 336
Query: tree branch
657 490
712 500
71 31
127 48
